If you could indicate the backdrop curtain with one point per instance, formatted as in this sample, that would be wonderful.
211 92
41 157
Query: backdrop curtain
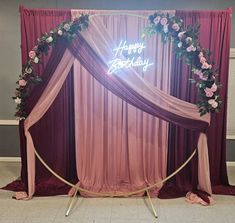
56 145
215 27
129 115
125 147
88 58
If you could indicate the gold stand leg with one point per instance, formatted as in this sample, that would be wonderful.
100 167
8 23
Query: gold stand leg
71 202
151 204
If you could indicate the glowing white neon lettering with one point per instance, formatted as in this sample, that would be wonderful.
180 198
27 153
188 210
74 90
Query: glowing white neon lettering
128 50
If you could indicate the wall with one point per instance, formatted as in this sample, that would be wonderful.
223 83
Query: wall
10 51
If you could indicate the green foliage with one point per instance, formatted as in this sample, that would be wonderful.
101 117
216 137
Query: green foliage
28 78
187 47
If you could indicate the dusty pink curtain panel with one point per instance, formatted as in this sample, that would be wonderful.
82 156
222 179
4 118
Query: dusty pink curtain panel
133 89
126 148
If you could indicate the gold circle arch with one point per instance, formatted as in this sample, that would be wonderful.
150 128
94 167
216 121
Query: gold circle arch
114 194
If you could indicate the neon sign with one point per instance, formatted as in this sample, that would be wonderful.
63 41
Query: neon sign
127 56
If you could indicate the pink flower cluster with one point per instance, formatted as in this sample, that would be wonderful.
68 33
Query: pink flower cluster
163 21
176 27
191 48
213 103
33 56
200 75
210 91
22 82
188 47
203 61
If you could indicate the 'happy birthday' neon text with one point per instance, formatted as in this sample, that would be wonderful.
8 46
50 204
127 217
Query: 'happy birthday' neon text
127 56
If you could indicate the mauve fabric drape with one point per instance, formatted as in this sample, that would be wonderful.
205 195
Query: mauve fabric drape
59 120
118 86
214 35
127 140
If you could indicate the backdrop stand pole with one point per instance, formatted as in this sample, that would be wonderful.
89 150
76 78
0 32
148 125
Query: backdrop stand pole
71 202
151 204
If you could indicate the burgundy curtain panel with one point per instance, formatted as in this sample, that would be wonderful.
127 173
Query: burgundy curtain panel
215 27
56 144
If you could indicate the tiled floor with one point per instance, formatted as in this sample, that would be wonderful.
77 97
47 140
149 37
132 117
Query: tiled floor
112 210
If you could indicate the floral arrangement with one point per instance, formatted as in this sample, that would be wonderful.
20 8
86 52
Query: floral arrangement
187 47
28 77
185 44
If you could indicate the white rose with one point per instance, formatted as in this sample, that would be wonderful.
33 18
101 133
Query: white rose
66 27
180 44
157 20
60 32
215 104
181 34
165 29
211 101
49 39
188 40
36 60
18 100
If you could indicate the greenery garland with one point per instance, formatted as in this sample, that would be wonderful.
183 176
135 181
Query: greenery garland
187 47
28 77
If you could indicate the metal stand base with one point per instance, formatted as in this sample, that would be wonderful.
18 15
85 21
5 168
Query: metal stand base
151 204
71 202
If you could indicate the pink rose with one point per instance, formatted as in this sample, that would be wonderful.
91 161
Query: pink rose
206 66
213 103
181 35
22 82
200 55
32 54
202 60
209 92
202 77
157 20
176 27
191 48
164 21
200 74
214 87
